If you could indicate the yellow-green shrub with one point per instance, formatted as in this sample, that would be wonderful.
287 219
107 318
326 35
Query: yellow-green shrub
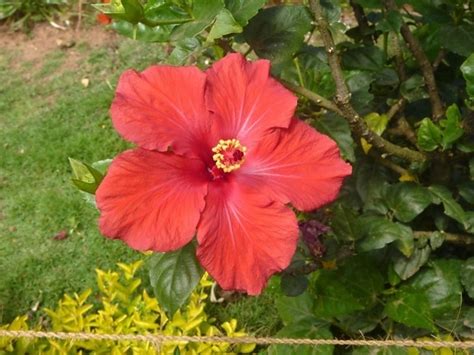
125 308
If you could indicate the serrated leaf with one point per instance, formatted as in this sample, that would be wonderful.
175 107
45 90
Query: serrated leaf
183 51
452 126
429 136
441 285
294 309
407 200
225 24
165 13
411 308
173 276
407 267
344 223
467 276
369 58
338 129
379 231
204 13
452 209
458 39
244 10
467 69
277 32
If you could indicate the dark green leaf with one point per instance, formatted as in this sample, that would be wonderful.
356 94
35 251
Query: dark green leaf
411 308
471 168
441 285
413 88
467 69
458 39
429 135
466 190
451 208
407 200
133 10
295 309
307 328
391 22
204 13
183 51
173 276
363 58
379 231
338 129
452 126
361 322
467 277
407 267
277 33
165 13
244 10
293 285
344 223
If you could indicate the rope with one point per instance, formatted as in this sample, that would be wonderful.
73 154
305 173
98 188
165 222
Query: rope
160 339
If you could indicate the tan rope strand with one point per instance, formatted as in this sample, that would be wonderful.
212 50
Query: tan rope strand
235 340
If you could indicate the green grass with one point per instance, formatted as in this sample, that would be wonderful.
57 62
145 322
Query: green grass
46 116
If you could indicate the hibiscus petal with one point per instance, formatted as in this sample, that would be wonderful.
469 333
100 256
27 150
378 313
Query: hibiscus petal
161 107
243 238
297 165
152 200
245 99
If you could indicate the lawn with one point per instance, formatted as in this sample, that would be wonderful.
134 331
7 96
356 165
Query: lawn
48 112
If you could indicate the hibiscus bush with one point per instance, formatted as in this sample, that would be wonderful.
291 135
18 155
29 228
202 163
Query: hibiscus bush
327 142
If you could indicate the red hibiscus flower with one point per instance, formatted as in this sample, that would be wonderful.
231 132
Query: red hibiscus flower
219 156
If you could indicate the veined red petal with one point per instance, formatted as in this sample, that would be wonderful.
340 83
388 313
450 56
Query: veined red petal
152 200
161 107
297 165
246 100
243 238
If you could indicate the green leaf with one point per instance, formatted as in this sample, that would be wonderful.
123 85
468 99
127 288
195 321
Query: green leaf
85 177
411 308
452 209
379 231
458 39
363 58
133 10
452 126
295 309
293 285
467 69
277 33
366 350
413 88
204 13
141 32
344 223
429 135
467 277
173 276
407 200
407 267
338 129
307 328
376 122
244 10
441 285
183 51
466 190
165 13
225 24
391 22
343 291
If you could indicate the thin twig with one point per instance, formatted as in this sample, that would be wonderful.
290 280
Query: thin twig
342 99
455 238
362 21
404 129
396 108
390 165
423 62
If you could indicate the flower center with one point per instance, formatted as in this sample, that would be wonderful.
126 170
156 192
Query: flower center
229 155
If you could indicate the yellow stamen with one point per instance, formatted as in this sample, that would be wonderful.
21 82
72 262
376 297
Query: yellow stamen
229 154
